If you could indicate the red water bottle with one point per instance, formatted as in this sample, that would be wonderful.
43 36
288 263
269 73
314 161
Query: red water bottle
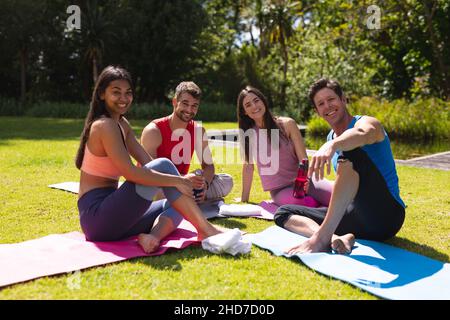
301 179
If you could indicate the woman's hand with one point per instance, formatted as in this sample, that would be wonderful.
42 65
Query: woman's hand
184 185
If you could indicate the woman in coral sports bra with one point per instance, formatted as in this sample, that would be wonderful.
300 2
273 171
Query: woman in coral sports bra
108 212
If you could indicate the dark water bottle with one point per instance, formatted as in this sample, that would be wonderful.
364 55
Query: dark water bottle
198 173
301 179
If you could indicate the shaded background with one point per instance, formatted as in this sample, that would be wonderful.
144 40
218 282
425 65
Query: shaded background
278 46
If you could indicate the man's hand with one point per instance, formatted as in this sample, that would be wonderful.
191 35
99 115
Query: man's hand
200 198
321 159
198 182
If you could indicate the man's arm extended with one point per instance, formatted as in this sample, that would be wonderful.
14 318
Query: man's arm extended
367 130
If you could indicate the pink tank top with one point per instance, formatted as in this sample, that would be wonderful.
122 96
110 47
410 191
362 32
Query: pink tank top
99 166
286 164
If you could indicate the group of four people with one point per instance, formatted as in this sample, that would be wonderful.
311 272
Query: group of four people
362 202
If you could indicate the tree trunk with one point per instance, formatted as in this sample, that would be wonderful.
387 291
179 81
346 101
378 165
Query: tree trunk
23 75
252 38
94 70
262 36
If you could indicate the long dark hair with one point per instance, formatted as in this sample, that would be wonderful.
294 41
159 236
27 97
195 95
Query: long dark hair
245 122
97 106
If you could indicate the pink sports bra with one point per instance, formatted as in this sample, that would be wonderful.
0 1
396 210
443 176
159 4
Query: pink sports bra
99 166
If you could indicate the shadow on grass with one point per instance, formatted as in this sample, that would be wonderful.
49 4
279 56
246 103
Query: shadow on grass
48 128
40 128
228 223
170 261
5 143
418 248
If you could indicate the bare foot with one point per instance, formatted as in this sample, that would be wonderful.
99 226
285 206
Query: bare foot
311 245
148 242
212 230
343 244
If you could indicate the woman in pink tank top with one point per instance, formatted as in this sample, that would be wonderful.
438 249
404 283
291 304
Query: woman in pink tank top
276 145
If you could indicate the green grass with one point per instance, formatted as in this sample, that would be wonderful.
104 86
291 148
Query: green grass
38 152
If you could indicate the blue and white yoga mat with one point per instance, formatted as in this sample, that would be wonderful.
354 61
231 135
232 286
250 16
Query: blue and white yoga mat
381 269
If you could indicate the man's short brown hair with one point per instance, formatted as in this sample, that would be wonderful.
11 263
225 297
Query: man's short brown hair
324 83
189 87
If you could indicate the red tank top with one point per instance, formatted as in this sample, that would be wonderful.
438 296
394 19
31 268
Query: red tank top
183 144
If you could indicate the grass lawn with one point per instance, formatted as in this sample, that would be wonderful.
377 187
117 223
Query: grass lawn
38 152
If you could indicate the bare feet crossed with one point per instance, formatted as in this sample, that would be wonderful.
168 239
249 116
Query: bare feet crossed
343 244
148 242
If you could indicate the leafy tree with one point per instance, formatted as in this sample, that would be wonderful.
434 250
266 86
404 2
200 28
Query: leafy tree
280 46
97 28
277 21
414 41
157 44
19 28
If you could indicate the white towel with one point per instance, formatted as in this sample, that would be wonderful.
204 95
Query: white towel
230 242
239 210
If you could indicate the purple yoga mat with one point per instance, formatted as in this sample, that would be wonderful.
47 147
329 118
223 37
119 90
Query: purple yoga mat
62 253
269 206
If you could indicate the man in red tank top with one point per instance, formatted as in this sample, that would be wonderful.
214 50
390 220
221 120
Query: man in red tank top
177 136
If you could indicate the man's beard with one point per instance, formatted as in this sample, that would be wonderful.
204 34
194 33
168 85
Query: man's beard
184 117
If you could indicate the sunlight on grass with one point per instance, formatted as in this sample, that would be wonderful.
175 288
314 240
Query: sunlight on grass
37 153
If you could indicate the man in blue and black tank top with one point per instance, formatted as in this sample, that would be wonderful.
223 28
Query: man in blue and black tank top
365 201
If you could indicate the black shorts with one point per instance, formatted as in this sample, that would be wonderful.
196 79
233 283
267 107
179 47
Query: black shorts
374 213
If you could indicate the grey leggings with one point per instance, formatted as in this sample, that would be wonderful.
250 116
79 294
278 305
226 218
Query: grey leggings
109 214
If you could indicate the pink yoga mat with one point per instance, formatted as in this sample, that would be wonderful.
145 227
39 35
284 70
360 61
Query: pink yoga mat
269 206
61 253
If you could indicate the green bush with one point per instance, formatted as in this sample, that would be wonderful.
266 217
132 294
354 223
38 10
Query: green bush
148 111
57 110
317 126
10 107
217 112
423 118
212 112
